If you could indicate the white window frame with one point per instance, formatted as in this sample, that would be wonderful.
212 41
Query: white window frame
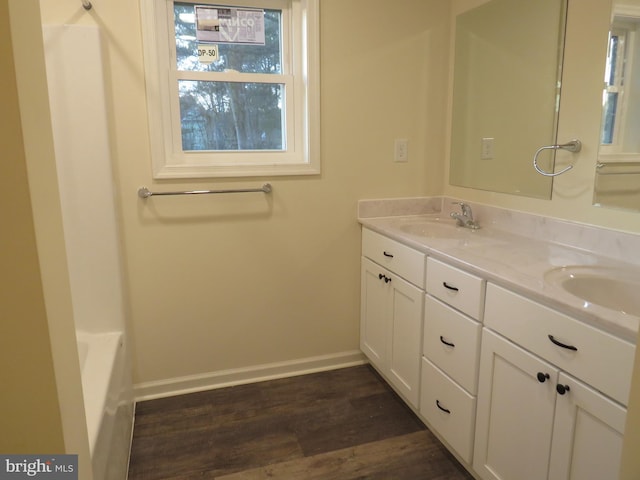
624 58
301 76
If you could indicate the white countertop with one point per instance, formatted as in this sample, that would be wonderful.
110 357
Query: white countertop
512 260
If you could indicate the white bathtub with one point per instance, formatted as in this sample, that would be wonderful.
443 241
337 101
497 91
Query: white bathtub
108 405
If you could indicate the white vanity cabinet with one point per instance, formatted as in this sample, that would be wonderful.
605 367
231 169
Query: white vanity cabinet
451 346
392 282
535 419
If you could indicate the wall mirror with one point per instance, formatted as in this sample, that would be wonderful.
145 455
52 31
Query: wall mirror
617 179
506 92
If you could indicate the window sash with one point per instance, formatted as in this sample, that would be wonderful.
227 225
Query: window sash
614 89
232 77
229 156
300 80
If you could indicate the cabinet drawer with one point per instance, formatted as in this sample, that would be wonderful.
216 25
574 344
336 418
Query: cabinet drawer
449 409
459 289
396 257
452 342
600 359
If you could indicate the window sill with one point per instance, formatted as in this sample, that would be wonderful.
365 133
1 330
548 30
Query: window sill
209 171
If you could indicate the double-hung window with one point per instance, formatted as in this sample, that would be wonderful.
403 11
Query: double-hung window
232 87
613 94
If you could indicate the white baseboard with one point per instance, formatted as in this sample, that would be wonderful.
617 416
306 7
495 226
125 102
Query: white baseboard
238 376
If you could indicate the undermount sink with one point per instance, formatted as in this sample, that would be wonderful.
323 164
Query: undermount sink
614 288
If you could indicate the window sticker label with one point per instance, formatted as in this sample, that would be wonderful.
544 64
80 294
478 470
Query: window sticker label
207 53
229 25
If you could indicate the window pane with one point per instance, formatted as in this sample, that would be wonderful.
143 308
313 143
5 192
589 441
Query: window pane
609 117
231 116
612 59
243 58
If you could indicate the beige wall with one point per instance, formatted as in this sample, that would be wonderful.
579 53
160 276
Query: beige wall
227 282
31 421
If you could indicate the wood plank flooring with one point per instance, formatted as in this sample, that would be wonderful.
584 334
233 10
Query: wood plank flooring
341 424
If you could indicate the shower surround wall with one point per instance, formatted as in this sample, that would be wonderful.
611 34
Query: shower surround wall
79 120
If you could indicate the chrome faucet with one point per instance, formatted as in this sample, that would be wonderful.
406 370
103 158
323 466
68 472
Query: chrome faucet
465 219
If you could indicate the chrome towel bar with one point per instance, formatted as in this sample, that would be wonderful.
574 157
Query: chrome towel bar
618 168
144 192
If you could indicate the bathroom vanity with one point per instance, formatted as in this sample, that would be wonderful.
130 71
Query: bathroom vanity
498 339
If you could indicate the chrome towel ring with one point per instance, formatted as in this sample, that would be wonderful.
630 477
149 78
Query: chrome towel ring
572 146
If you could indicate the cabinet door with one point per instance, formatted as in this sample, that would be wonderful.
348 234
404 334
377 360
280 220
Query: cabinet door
405 337
374 297
587 434
515 412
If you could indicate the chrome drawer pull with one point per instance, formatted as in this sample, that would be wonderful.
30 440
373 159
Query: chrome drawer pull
560 344
446 343
442 408
447 286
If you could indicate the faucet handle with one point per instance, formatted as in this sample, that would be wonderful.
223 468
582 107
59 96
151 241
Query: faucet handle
466 209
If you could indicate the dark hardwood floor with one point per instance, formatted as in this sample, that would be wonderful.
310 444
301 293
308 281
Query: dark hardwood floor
341 424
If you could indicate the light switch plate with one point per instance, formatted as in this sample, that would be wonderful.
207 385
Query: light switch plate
401 150
487 148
